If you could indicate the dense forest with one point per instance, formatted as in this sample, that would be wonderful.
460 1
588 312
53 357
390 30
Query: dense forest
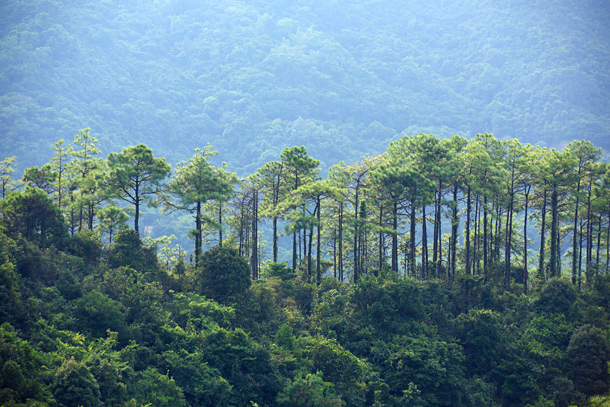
442 272
298 203
343 78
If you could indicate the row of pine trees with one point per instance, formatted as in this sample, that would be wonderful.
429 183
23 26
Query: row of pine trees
426 208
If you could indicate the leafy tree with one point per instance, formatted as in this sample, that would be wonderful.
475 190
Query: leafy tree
309 390
87 171
60 164
588 355
134 176
479 333
223 274
112 219
33 215
154 388
585 154
557 169
556 296
42 178
97 313
273 182
74 385
128 250
196 183
7 183
299 169
338 366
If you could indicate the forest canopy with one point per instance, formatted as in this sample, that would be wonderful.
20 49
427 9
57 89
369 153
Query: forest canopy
442 272
304 203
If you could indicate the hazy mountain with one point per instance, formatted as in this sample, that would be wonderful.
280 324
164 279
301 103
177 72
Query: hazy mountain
341 77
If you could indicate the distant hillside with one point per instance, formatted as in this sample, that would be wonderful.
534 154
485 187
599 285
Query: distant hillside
343 78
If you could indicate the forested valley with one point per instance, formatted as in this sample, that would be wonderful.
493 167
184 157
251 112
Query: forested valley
442 272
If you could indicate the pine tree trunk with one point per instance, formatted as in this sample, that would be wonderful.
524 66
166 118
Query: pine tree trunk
255 236
485 241
380 239
412 245
554 233
424 245
525 272
468 209
318 269
542 238
454 230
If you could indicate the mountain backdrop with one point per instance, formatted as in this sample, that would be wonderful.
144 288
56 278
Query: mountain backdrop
341 77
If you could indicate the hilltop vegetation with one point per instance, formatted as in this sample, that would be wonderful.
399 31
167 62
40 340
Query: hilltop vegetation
415 279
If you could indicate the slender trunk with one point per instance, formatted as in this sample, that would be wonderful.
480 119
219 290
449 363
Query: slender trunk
498 234
395 237
380 239
525 272
424 245
318 259
356 260
542 238
438 255
608 245
254 236
294 250
468 209
241 230
599 239
435 233
197 233
589 226
90 215
59 189
508 240
554 233
304 241
454 230
310 245
580 245
475 252
335 254
137 203
220 223
575 251
412 248
274 239
341 242
485 237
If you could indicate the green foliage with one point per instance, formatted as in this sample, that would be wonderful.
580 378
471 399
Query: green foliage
223 275
97 313
32 215
588 354
557 296
433 368
128 251
480 335
245 364
74 385
308 391
134 175
154 388
112 326
390 305
112 220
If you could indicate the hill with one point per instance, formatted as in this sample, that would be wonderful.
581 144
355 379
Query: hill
344 78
